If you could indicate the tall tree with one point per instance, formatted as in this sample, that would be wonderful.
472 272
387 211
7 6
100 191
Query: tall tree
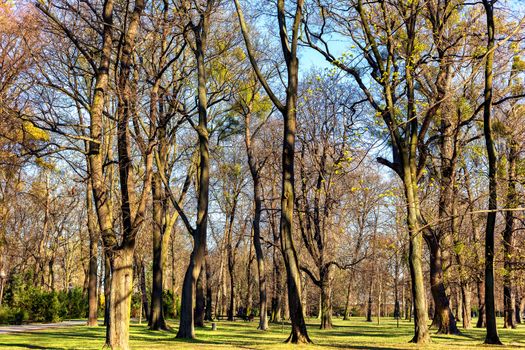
288 109
490 307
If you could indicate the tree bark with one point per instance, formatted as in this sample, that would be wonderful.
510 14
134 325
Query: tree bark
141 269
107 288
348 299
508 233
156 319
93 260
120 299
326 300
490 308
444 319
209 295
200 302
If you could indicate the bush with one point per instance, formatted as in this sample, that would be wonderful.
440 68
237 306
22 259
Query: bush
167 304
74 303
44 306
12 316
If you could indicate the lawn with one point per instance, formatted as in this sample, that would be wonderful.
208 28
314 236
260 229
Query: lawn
353 334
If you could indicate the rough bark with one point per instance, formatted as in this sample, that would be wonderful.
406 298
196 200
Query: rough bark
326 300
444 320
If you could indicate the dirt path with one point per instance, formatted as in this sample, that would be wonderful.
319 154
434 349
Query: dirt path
38 326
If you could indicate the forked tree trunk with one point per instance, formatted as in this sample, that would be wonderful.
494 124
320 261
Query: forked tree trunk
186 325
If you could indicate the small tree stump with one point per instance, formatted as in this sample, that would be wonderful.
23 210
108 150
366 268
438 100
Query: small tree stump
214 326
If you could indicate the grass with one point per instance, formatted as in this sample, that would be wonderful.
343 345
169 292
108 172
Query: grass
353 334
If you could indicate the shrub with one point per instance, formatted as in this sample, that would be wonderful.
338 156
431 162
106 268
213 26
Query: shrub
12 316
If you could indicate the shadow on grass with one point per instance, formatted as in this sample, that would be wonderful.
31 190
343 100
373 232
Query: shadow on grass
26 346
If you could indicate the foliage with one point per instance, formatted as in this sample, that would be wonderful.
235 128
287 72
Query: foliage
29 303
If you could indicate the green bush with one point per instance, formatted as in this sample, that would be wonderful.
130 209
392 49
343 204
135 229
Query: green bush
44 306
12 316
38 305
167 304
74 303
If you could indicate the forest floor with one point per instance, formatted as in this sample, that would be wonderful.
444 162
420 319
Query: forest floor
353 334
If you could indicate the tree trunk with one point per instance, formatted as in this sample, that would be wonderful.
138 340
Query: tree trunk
156 319
347 303
508 233
369 307
200 302
261 270
481 306
466 310
326 301
107 287
517 309
490 308
143 290
209 295
444 319
415 250
277 301
93 259
249 282
186 325
120 299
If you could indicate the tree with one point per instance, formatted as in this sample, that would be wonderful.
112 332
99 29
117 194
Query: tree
299 333
490 312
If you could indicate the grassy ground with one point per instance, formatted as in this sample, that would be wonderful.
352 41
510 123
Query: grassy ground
353 334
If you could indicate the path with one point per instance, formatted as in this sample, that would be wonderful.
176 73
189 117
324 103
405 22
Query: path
39 326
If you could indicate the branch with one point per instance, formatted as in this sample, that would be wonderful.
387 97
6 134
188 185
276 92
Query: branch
251 56
174 201
313 278
394 166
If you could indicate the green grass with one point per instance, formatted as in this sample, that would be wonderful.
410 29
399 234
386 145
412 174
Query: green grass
353 334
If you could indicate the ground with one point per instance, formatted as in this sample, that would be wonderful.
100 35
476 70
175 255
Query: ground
353 334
